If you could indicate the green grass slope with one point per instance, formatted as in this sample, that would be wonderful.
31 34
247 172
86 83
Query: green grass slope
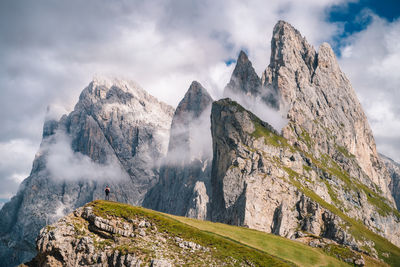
296 252
242 244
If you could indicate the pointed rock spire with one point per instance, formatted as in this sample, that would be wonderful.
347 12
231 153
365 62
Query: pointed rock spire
288 46
195 101
244 78
319 97
293 54
191 107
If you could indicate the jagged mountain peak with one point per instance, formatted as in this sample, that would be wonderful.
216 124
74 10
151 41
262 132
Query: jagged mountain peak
290 49
244 78
112 97
195 100
196 86
192 106
103 89
243 58
321 103
189 114
285 28
101 85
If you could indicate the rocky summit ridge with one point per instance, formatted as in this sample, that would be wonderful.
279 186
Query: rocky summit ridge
319 180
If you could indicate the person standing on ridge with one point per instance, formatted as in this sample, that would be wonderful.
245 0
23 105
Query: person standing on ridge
107 191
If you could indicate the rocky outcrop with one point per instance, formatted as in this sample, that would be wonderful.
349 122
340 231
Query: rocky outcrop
322 105
184 184
116 135
394 178
84 238
261 181
113 234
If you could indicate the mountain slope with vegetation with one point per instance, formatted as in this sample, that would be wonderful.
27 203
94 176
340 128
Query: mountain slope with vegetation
104 232
263 182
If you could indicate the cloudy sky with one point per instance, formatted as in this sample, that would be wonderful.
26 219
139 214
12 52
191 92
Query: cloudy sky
50 50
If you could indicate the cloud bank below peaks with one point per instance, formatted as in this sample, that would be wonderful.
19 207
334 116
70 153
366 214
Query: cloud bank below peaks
64 164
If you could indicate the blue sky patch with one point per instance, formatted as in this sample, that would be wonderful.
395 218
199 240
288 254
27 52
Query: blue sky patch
355 16
230 61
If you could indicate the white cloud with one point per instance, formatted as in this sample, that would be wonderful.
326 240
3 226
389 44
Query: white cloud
199 142
371 60
275 118
66 165
16 157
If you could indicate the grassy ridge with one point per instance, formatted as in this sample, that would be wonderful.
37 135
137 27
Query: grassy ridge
222 248
240 243
298 253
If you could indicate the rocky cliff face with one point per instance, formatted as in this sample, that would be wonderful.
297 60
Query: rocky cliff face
322 104
116 135
261 181
393 178
184 185
321 172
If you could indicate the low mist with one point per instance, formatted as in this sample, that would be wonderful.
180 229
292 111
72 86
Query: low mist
66 165
194 139
275 117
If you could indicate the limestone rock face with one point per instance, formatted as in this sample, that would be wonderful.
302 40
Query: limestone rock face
322 104
261 181
394 178
325 158
184 184
116 135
